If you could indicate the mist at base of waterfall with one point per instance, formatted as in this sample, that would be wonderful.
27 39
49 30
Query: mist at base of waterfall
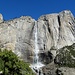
37 66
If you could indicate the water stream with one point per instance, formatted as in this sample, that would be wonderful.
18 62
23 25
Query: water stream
36 66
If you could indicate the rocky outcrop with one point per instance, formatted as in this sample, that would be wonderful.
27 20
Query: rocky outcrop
66 56
1 18
46 57
16 35
49 69
54 31
67 71
64 62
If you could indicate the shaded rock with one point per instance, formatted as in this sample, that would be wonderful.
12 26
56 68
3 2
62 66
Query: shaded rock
49 69
46 57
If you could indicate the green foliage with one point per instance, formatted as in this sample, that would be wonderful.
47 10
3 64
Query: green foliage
71 49
1 64
65 56
11 65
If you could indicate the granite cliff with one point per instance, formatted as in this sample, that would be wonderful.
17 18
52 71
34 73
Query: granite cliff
54 32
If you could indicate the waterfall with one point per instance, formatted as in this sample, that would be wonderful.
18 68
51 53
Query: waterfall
36 50
36 66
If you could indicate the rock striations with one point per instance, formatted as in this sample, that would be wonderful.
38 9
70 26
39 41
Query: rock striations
54 31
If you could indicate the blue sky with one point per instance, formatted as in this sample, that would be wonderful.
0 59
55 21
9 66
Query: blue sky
34 8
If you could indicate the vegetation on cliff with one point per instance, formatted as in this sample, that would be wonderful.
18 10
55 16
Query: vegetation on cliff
11 65
66 56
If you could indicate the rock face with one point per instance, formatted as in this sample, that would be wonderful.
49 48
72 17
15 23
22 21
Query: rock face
54 32
16 35
64 62
1 18
67 71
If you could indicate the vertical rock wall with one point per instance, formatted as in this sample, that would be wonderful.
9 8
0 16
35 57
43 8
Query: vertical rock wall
54 32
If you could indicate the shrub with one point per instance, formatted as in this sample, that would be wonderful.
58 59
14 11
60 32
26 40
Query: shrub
11 65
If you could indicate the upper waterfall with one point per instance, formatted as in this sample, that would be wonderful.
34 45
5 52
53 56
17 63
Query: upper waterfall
37 63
